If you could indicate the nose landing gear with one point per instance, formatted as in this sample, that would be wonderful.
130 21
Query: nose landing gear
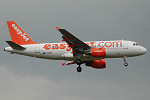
125 61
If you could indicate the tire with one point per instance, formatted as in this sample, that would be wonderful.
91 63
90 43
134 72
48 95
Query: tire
79 69
125 64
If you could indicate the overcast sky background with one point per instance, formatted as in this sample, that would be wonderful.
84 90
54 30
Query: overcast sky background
25 78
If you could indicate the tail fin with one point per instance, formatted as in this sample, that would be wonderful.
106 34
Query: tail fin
18 35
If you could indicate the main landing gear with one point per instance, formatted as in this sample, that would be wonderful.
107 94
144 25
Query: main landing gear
125 61
79 69
78 62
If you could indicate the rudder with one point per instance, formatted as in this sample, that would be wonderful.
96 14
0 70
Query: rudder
18 35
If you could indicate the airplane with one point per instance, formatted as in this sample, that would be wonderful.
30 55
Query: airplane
91 53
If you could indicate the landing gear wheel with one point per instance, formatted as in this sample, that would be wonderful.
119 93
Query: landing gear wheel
125 61
79 69
125 64
78 61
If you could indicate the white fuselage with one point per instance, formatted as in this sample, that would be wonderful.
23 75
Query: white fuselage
61 51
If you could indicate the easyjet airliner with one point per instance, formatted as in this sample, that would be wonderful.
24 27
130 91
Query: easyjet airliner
91 53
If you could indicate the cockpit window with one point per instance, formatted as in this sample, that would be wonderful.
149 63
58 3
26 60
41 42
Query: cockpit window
135 44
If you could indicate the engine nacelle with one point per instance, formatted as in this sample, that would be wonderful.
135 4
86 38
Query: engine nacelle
97 52
98 64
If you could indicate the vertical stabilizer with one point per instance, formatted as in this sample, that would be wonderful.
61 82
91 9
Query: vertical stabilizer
18 35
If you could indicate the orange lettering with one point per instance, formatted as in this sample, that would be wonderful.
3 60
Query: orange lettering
87 43
92 44
108 44
62 46
120 43
55 46
113 43
68 48
47 46
99 44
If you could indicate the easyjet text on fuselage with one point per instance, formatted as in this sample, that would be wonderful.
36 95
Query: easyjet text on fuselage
106 44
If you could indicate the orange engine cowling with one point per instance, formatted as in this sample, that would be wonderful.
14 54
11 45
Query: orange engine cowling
98 52
98 64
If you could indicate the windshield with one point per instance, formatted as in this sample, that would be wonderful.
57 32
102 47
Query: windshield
135 44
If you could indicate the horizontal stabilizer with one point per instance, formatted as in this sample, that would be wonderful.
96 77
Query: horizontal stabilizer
15 46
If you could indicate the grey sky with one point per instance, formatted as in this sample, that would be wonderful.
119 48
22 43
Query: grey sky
25 78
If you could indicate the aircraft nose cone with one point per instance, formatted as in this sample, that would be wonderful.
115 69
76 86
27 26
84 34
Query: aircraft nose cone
143 50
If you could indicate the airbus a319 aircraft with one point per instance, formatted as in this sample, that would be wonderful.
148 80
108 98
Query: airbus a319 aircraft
91 53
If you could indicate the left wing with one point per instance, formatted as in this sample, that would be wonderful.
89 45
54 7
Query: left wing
76 44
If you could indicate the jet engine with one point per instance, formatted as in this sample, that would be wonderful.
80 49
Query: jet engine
98 64
97 52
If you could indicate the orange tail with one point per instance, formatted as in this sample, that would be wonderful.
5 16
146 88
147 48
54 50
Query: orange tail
18 35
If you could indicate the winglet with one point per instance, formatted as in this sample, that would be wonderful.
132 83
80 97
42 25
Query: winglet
57 28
